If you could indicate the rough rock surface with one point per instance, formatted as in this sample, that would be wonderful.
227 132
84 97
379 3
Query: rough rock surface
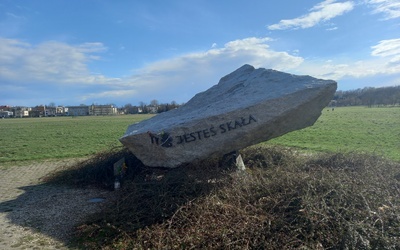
246 107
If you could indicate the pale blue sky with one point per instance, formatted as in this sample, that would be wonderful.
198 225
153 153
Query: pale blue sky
72 52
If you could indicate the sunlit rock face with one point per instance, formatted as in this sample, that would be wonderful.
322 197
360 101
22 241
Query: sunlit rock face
246 107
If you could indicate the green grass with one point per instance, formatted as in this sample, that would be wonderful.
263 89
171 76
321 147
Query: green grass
371 130
61 137
359 129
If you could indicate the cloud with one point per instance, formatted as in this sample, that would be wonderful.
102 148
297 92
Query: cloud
108 96
385 60
321 12
194 72
48 62
338 71
251 50
390 50
386 48
333 28
390 8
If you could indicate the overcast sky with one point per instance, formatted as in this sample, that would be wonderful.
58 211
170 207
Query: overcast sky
72 52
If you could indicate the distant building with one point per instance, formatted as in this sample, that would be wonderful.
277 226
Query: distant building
152 109
38 111
103 110
5 108
6 114
50 111
77 110
21 112
61 111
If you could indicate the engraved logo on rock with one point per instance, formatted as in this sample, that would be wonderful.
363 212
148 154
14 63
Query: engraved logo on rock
213 131
164 139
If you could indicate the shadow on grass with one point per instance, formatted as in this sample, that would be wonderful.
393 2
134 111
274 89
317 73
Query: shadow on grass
52 210
96 171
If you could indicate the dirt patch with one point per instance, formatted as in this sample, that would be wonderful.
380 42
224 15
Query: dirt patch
36 215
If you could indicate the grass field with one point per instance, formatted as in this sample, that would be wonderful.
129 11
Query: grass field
375 130
347 129
61 137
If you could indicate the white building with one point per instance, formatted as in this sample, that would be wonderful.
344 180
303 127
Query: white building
21 112
77 110
6 114
103 110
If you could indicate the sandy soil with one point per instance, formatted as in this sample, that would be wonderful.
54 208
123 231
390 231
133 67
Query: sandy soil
36 215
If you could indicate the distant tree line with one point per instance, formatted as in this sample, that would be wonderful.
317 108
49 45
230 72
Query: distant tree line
153 108
384 96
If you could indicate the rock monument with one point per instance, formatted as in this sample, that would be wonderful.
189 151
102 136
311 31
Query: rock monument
246 107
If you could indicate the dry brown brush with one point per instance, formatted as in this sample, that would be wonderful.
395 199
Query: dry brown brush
283 200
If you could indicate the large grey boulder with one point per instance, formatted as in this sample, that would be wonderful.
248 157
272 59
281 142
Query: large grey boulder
246 107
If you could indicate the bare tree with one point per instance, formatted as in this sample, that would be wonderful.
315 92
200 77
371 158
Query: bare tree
154 103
